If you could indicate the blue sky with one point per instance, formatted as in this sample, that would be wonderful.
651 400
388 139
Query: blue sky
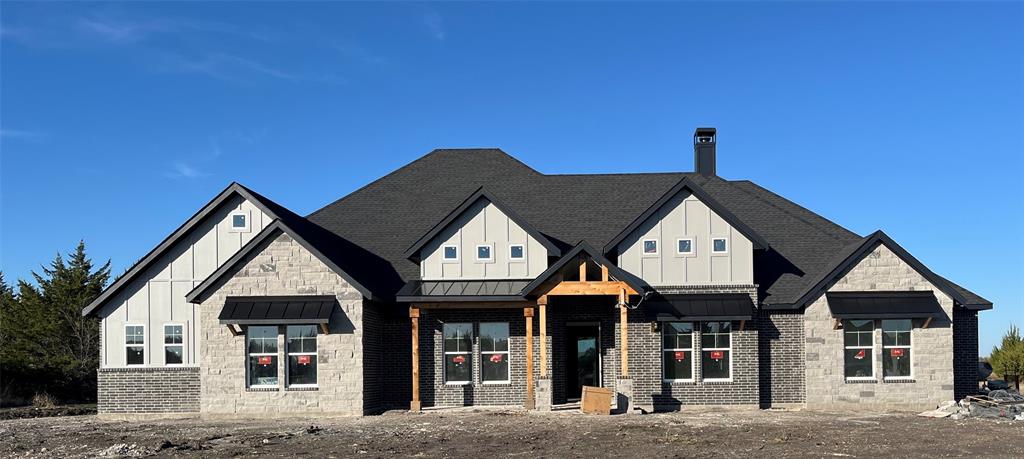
118 121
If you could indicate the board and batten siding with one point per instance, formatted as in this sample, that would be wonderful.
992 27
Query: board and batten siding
157 297
686 217
482 223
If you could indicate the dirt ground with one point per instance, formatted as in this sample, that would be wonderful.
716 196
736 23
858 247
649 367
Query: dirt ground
505 433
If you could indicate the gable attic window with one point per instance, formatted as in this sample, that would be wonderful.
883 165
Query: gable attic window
719 245
239 221
450 253
684 246
135 344
516 252
484 252
650 247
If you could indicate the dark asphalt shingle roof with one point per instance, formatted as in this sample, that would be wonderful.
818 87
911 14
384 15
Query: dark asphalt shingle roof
385 217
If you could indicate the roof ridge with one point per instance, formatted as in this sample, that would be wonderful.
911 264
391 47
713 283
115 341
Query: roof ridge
624 174
798 217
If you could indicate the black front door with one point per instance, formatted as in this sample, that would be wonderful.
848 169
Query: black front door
583 355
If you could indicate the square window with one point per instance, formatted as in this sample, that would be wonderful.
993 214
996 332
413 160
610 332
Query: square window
451 253
483 253
239 221
719 245
515 252
685 246
650 246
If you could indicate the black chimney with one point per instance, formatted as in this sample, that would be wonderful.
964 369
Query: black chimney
704 151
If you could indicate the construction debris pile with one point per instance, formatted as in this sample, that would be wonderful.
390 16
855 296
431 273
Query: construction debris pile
1003 403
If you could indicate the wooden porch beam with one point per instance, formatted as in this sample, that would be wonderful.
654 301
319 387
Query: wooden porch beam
528 314
542 305
604 273
414 314
590 288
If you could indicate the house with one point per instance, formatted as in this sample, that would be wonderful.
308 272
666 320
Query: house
468 278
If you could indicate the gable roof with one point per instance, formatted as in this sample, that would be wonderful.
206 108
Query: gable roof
413 252
304 234
582 248
386 216
687 184
848 258
268 207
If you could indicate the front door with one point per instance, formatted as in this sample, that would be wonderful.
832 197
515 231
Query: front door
583 367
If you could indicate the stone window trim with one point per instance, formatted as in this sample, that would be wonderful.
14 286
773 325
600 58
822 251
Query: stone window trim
245 219
301 388
861 381
129 345
643 247
444 253
180 343
262 389
490 252
693 247
725 242
522 251
899 381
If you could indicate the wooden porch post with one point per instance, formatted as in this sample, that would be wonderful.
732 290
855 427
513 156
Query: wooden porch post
542 304
414 314
624 332
528 314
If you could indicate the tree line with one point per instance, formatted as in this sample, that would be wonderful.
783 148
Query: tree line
46 346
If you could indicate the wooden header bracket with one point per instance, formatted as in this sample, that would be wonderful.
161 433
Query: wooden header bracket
927 322
234 330
325 329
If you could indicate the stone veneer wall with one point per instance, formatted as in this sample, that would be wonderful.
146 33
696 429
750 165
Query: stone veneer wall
781 346
283 267
965 353
932 353
148 390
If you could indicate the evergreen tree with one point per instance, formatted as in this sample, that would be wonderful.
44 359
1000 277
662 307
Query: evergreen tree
1008 358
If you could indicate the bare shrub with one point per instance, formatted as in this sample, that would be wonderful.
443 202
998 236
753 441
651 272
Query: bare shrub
44 400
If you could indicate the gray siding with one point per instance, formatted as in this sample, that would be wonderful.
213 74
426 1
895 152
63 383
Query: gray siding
483 223
157 297
686 217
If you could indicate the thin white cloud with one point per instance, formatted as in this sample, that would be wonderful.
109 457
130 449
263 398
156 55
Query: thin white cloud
435 25
20 134
236 68
182 170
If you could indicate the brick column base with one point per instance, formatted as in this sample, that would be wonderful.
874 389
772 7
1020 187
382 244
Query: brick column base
624 394
543 394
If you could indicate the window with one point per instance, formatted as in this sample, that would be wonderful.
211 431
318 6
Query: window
262 347
451 253
650 246
458 357
859 343
896 348
240 221
677 351
301 348
719 245
684 246
494 352
516 252
135 344
174 347
716 352
484 253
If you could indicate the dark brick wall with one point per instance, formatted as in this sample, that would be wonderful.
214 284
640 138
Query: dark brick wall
782 364
564 311
434 391
373 371
965 352
148 390
396 360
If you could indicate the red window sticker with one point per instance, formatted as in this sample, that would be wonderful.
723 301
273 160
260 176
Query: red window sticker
717 355
496 358
264 360
458 360
680 356
860 354
303 360
896 352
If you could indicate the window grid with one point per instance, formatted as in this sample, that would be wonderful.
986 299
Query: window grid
495 351
460 335
716 346
301 344
677 345
897 343
174 344
859 345
261 345
135 344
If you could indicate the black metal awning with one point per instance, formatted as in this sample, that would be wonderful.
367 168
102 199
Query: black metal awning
277 310
418 291
718 306
884 305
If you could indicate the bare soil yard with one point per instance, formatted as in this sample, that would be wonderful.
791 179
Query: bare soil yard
504 433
